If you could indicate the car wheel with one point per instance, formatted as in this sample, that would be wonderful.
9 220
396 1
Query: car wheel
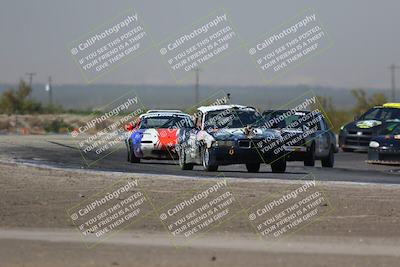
279 165
182 161
347 149
131 155
253 167
310 160
206 160
329 160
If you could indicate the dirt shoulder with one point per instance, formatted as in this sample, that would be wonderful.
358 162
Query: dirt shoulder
361 228
38 198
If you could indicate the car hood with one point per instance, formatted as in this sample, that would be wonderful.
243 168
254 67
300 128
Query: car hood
243 133
364 124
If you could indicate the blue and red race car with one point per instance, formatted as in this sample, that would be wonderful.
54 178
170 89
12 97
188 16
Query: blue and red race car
154 136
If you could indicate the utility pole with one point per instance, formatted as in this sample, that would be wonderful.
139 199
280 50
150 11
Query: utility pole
393 68
196 89
30 74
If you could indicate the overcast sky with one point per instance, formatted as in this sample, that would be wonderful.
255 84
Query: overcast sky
365 34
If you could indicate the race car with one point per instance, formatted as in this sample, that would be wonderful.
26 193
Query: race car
306 136
357 134
228 134
154 135
385 148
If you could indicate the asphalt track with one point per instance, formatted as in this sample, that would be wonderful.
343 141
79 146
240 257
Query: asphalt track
61 151
361 230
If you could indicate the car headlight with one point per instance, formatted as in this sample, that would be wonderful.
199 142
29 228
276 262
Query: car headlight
342 128
373 144
224 143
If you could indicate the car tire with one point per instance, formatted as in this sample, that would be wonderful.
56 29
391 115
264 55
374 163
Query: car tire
310 159
182 161
279 165
329 161
206 161
253 167
347 149
131 155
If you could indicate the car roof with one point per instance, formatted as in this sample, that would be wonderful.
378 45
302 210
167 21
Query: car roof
205 109
284 110
164 114
164 110
391 105
388 105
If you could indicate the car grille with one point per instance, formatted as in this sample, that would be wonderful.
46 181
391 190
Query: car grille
244 143
358 138
248 143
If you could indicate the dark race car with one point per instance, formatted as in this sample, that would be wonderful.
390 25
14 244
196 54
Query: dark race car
306 136
227 134
385 148
357 134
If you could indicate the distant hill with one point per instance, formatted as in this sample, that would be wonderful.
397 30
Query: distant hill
91 96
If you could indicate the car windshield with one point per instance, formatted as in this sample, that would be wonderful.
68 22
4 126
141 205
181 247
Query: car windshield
299 120
231 118
391 128
381 114
165 122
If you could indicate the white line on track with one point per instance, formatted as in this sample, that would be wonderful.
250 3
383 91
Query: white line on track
170 176
313 245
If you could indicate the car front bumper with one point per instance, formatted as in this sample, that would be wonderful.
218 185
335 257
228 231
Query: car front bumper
384 155
355 141
152 151
238 155
296 153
